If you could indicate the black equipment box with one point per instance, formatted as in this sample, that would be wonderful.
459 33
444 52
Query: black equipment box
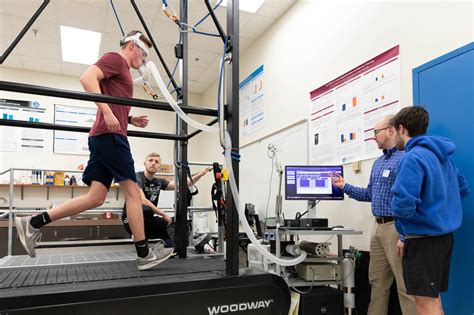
314 222
292 222
306 223
322 300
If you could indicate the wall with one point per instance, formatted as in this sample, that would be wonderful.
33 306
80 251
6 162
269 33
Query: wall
315 42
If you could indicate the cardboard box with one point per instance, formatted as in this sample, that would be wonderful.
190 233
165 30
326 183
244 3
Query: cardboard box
166 168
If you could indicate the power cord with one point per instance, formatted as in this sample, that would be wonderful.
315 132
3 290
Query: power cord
285 276
269 187
299 215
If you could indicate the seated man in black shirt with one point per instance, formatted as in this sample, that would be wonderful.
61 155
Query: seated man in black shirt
150 185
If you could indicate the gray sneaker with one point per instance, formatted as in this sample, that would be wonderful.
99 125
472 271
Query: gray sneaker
156 256
29 236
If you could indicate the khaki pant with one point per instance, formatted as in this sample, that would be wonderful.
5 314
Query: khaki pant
385 265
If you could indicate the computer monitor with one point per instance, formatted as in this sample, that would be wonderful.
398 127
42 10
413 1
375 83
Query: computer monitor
312 182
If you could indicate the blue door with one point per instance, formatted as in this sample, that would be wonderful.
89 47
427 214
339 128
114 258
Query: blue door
446 87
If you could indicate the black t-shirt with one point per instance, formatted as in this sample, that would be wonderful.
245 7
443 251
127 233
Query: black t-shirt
151 189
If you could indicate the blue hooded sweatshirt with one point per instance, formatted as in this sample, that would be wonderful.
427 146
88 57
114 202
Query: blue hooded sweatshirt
428 188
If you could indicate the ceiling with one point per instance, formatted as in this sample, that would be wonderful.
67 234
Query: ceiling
41 51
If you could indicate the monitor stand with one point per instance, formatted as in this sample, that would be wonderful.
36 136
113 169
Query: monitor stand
311 211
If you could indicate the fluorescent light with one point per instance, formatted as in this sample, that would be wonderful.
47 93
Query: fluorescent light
79 46
246 5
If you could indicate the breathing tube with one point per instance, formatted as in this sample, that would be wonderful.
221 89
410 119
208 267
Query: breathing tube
151 67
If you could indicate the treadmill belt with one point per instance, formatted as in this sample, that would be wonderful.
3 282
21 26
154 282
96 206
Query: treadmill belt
70 274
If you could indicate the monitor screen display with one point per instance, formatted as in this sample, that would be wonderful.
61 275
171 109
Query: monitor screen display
312 183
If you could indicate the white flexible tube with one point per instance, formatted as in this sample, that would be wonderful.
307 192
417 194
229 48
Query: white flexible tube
240 210
156 75
233 185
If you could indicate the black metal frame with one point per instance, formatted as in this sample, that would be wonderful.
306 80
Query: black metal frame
181 215
231 115
49 126
232 102
215 20
93 97
195 133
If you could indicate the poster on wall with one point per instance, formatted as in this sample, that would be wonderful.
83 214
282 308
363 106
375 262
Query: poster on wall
344 111
67 142
22 139
251 103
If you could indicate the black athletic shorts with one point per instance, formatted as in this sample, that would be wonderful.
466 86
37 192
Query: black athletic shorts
110 158
426 262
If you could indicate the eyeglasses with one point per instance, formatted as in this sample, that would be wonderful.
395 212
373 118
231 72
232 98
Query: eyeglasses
376 131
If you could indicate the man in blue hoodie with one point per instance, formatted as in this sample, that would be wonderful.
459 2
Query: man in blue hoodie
385 265
426 199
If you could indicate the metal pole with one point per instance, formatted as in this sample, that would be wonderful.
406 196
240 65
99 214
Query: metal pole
195 133
10 213
200 163
93 97
23 31
49 126
232 99
182 209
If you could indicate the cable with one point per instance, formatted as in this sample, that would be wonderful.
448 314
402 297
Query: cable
173 17
240 211
116 16
299 215
293 287
194 30
327 241
207 15
269 191
219 88
172 74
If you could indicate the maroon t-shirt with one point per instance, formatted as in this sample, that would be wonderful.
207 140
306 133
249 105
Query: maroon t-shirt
117 82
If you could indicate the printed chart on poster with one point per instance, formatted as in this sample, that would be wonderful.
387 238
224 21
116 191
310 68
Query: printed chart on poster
251 97
67 142
344 111
22 139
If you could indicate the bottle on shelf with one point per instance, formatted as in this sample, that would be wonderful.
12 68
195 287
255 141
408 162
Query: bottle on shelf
67 180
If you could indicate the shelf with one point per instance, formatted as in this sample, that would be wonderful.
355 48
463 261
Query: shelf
297 282
323 259
72 187
333 259
320 232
